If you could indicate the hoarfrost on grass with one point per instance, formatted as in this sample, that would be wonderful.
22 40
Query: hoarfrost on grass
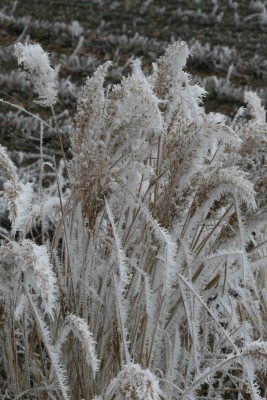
142 273
36 61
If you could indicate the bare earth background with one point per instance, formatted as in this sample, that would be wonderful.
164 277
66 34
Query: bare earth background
228 42
241 24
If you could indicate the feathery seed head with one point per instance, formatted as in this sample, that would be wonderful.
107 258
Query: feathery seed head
37 258
80 329
135 383
36 61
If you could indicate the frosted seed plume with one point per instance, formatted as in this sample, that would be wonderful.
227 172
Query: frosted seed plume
80 329
36 61
133 382
7 167
256 108
37 258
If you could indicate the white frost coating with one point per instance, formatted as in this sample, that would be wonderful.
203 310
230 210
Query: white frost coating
258 347
133 382
36 61
257 110
36 257
23 202
79 328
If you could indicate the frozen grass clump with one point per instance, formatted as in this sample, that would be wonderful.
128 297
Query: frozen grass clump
136 269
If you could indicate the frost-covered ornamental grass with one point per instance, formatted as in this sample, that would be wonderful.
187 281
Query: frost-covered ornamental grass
137 270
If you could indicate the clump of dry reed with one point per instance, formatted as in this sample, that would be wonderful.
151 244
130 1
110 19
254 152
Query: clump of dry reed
144 276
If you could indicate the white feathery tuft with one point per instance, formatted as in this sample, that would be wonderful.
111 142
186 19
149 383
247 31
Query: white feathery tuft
36 258
133 382
79 327
36 61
